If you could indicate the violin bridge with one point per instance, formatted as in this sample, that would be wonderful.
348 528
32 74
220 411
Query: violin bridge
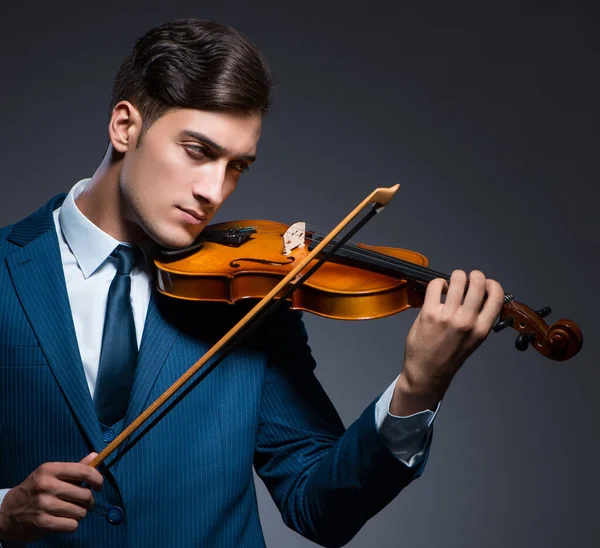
294 237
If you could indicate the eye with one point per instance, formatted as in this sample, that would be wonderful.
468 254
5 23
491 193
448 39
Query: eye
197 151
241 167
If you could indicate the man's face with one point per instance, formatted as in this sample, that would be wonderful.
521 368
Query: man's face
187 164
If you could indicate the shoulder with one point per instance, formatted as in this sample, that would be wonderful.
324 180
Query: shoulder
4 232
30 227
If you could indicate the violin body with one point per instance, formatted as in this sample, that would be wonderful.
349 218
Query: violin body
222 273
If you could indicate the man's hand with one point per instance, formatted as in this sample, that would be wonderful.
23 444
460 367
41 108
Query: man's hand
50 500
442 338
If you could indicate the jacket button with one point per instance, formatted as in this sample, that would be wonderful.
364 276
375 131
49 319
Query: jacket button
109 435
115 515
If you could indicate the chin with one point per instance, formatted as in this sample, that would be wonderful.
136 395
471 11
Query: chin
173 239
171 243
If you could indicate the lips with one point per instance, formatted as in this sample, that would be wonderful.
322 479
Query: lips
193 213
192 216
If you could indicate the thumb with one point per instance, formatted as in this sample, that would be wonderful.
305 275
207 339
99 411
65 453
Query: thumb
89 458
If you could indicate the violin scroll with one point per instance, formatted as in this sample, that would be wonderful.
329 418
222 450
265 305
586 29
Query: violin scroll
559 342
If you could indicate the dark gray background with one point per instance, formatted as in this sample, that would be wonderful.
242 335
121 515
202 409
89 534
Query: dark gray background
487 114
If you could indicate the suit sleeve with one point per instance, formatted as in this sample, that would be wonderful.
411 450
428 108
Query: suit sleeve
326 481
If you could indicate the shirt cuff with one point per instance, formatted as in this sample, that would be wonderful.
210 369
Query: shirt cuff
2 495
406 437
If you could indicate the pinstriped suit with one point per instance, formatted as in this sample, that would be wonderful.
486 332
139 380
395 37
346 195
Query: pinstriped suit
188 480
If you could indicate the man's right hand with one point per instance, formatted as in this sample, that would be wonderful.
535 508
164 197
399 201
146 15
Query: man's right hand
50 500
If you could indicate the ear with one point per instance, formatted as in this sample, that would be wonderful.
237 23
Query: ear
124 127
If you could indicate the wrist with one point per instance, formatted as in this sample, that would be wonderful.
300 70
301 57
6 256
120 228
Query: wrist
5 532
3 526
411 397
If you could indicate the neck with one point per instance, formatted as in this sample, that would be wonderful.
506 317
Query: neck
103 203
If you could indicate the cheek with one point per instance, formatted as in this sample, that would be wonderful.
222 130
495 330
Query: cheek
230 185
159 165
157 176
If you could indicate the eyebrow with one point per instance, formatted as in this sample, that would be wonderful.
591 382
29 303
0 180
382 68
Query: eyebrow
222 151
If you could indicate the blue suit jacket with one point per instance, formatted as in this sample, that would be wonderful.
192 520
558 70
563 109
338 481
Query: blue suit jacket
188 480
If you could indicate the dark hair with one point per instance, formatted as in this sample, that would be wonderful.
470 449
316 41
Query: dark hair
191 63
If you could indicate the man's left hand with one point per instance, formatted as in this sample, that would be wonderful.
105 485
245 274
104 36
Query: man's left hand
443 336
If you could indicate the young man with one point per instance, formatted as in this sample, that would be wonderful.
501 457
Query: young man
86 342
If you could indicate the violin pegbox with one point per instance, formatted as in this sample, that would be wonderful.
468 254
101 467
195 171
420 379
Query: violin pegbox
294 237
559 341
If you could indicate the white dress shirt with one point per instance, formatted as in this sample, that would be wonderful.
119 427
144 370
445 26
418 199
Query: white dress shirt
89 270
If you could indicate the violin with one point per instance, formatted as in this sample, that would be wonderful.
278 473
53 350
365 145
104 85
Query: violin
246 259
323 274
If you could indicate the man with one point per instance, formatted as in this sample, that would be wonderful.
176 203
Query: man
86 343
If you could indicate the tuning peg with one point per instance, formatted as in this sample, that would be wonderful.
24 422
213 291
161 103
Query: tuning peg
506 322
543 312
523 340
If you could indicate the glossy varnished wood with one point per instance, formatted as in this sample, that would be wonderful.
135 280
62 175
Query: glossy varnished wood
334 291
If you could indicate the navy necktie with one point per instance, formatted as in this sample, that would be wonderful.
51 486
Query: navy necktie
118 356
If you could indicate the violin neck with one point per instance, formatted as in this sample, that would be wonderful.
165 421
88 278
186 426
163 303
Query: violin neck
367 259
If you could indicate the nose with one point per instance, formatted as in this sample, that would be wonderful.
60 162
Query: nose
209 188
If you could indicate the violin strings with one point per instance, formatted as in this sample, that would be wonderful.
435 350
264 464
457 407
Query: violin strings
375 258
405 267
421 273
384 260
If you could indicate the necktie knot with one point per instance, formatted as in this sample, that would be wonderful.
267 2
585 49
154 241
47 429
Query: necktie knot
126 257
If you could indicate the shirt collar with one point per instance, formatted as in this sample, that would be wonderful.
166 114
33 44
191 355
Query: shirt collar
90 245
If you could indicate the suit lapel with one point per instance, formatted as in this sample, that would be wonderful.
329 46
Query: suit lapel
35 267
38 278
157 341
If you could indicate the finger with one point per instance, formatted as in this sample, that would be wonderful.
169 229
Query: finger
78 473
475 292
53 524
433 294
62 509
493 304
456 290
89 458
75 494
